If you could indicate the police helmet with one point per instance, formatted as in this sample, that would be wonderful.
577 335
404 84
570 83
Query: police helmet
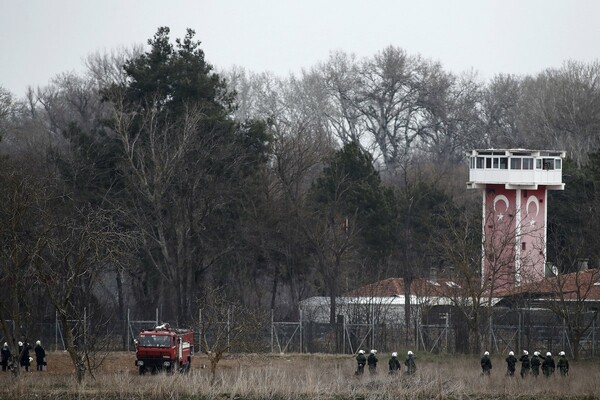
394 354
548 354
562 353
487 353
510 353
361 352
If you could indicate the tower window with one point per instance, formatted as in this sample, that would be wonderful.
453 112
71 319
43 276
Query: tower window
557 163
548 164
503 163
523 246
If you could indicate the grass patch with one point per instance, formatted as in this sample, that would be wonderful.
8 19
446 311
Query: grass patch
304 377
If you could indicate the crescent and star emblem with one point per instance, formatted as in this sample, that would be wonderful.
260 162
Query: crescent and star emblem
534 200
504 199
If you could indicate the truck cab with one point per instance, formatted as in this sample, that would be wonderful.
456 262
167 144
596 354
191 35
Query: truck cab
164 349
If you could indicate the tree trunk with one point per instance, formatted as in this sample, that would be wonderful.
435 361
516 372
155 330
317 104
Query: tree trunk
121 302
77 361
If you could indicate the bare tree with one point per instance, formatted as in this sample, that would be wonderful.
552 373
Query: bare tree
568 297
79 246
341 79
398 93
483 267
561 109
106 68
23 201
501 112
226 325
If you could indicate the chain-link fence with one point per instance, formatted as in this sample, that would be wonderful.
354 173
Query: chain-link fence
498 332
445 332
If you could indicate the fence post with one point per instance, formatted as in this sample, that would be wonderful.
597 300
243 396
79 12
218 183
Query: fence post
301 334
490 333
372 326
55 331
128 328
447 328
594 337
519 331
564 334
228 330
272 327
418 334
85 327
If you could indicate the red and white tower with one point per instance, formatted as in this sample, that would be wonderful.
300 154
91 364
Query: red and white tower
515 184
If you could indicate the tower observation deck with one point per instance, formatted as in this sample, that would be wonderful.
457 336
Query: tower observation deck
514 185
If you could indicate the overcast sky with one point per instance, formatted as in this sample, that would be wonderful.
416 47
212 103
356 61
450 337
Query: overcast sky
42 38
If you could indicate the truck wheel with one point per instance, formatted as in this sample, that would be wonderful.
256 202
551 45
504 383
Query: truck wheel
142 370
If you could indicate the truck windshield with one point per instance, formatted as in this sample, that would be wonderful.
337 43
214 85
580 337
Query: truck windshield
155 341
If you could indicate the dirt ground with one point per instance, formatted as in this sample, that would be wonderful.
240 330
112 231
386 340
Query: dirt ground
59 363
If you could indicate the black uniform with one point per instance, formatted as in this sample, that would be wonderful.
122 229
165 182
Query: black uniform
525 364
394 365
548 366
511 362
372 362
40 355
535 365
5 354
361 360
486 365
411 367
563 366
25 356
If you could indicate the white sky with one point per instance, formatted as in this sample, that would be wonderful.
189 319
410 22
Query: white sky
42 38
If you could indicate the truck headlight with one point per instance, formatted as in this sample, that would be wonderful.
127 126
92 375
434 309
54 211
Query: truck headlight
166 363
140 363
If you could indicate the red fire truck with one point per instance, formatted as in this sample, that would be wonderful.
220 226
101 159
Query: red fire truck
164 348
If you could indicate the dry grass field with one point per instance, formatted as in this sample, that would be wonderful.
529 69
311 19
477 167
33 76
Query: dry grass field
305 377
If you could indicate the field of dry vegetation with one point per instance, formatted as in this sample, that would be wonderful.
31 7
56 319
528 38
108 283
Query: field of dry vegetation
299 377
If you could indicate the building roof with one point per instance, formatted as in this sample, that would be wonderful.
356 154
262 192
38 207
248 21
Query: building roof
583 285
420 287
385 288
580 285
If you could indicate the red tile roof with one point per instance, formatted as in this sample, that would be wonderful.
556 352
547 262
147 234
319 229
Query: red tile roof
583 285
386 288
420 287
575 285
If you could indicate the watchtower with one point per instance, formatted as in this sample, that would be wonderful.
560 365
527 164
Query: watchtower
514 186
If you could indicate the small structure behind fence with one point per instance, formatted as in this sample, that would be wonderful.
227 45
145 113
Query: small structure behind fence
503 331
